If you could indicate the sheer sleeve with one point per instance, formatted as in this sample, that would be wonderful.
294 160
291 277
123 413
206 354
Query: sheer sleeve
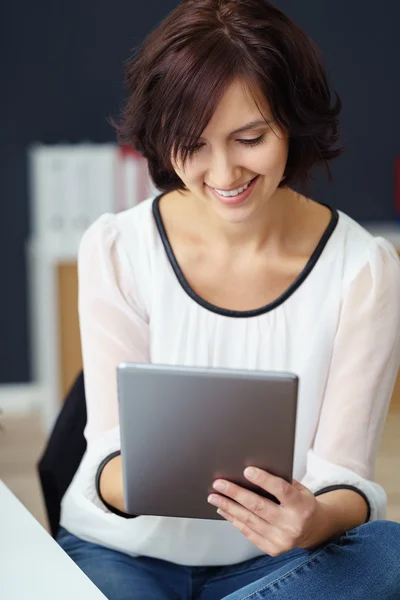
113 326
114 329
364 366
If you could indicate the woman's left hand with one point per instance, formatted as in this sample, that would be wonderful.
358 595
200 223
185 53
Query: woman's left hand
273 528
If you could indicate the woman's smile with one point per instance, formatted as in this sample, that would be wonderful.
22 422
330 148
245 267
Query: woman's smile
234 199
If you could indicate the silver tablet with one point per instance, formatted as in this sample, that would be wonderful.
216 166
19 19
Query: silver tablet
182 428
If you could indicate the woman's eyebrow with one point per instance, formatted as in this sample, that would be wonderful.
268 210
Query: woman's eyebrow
251 125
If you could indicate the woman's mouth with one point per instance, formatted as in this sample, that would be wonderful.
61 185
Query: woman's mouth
235 197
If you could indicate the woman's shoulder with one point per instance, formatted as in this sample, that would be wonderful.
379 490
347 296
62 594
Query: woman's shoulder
130 227
359 240
362 249
113 253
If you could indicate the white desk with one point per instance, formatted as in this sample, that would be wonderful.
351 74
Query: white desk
32 564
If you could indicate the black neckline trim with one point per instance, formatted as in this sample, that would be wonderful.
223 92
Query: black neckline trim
242 313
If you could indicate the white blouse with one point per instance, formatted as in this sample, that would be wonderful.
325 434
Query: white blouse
337 327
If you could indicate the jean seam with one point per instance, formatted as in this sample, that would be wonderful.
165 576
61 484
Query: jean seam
255 568
282 577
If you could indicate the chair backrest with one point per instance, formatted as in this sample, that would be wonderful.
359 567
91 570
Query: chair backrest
63 452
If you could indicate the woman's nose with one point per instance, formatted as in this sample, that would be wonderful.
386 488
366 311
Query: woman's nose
223 173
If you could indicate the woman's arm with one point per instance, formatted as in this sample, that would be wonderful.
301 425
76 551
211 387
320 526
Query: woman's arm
110 484
338 511
113 325
338 491
114 329
364 366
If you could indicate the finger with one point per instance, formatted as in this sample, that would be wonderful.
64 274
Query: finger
268 510
241 514
284 491
253 536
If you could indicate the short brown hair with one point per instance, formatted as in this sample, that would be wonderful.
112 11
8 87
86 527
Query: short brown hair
178 76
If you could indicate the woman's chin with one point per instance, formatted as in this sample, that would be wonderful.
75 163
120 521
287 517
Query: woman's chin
238 213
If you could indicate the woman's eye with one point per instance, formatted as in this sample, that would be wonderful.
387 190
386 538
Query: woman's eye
191 150
253 142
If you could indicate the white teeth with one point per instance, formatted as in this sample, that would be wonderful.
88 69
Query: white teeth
233 192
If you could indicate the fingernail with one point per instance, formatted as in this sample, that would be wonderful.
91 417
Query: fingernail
250 472
214 500
220 486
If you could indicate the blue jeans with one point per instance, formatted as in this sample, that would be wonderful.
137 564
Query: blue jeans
362 564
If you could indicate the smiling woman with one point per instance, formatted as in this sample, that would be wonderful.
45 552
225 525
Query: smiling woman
230 267
239 161
184 68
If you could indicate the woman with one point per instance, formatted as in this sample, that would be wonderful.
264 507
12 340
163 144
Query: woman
230 267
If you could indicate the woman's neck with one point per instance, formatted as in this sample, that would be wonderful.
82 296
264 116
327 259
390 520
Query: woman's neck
269 226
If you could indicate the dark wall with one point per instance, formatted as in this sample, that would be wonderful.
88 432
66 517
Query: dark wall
62 77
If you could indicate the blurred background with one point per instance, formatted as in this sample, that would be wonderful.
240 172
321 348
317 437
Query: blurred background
62 66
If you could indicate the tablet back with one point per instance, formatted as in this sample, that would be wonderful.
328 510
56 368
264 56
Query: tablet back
182 428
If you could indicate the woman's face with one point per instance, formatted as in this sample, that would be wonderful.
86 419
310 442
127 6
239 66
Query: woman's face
227 159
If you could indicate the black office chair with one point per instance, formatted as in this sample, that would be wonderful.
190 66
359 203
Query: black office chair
63 452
